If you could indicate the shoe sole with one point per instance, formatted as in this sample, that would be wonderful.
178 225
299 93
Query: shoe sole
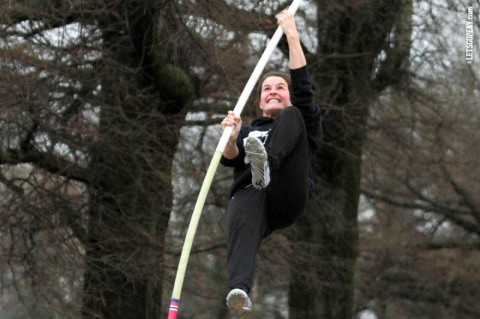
236 303
257 157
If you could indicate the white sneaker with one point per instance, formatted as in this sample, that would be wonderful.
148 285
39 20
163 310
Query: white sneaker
257 156
238 302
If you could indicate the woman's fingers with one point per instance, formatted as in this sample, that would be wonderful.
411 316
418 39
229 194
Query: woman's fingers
231 120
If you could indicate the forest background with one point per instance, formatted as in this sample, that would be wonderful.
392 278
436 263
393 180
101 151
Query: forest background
109 115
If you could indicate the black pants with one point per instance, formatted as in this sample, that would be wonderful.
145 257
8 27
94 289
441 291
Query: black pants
253 214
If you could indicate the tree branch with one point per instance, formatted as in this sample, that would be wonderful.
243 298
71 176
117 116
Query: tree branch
449 212
48 162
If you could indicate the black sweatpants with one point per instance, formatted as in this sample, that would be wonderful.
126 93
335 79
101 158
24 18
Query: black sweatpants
253 214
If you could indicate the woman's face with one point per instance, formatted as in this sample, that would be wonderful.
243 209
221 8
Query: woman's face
275 96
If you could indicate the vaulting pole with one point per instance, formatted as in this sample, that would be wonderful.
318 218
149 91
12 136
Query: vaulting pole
207 182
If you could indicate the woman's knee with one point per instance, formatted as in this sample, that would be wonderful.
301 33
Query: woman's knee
279 218
292 113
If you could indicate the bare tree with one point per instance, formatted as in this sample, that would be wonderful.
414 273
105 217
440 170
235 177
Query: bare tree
90 111
361 51
423 237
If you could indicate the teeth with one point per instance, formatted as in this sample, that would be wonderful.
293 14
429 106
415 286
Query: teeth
274 100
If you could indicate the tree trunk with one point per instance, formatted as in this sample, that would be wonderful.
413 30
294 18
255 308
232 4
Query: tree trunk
351 36
129 212
130 199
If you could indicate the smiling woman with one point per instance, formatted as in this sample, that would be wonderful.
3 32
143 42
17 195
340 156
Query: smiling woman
271 159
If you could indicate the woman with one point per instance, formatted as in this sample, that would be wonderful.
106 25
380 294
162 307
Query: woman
271 160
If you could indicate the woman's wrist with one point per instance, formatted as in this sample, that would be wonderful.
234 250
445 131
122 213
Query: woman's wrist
292 35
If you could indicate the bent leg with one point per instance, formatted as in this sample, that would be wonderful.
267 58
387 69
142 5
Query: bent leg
288 155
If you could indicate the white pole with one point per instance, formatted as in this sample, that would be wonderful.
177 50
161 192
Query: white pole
207 182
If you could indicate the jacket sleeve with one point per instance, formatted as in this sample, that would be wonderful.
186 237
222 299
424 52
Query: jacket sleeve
302 98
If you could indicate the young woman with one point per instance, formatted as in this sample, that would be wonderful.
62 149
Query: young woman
271 161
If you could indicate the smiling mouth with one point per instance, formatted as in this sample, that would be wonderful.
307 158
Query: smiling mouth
274 100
